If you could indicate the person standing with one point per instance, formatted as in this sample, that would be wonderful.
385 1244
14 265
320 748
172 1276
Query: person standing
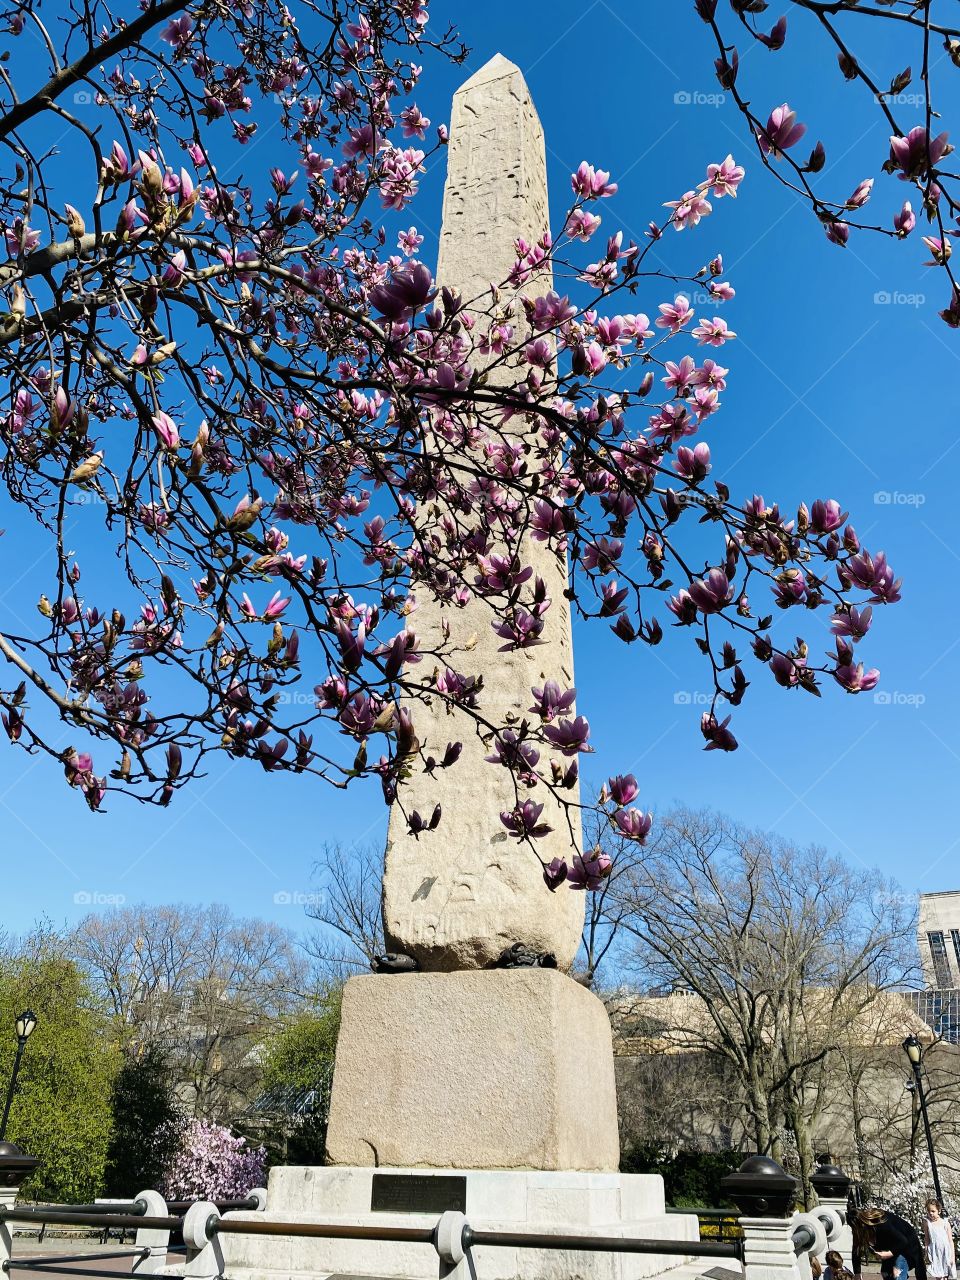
891 1239
938 1237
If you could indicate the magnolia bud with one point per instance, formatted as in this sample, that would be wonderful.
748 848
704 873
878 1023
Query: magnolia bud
75 224
86 470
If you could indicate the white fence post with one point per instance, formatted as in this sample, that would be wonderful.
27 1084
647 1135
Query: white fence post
204 1254
765 1194
155 1239
832 1185
811 1238
768 1249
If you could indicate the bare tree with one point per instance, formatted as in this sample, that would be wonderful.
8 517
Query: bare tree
670 1101
348 907
889 1130
606 907
785 949
200 983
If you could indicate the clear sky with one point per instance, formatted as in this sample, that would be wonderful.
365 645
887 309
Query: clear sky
833 392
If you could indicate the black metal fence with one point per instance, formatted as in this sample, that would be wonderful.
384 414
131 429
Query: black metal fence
134 1214
715 1224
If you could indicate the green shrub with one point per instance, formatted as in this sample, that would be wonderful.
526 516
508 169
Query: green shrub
691 1178
61 1111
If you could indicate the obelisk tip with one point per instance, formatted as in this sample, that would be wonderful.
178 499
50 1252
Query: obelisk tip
498 68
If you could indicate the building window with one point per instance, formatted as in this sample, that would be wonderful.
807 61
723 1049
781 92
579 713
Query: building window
955 937
938 954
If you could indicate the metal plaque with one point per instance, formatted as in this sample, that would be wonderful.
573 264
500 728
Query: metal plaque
418 1193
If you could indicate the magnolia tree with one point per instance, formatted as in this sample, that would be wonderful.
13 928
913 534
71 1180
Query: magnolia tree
242 393
211 1163
907 1191
919 182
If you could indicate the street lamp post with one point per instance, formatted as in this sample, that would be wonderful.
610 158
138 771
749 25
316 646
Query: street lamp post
24 1025
914 1051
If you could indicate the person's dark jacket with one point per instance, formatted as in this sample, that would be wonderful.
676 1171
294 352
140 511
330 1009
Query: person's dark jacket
896 1235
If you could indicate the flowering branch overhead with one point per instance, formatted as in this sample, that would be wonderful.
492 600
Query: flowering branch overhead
255 394
915 145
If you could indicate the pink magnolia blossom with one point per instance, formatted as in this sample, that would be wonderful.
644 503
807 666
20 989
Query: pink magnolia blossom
581 225
855 679
688 210
861 195
167 430
414 123
913 155
589 870
940 250
905 221
837 232
20 238
592 184
781 132
723 179
410 241
211 1163
177 32
674 315
713 333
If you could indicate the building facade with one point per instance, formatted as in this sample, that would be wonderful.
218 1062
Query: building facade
940 939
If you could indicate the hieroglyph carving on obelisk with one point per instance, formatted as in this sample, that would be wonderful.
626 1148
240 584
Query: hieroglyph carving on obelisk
458 897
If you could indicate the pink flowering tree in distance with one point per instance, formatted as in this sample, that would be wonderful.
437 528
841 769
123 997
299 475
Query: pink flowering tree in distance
919 182
211 1163
225 400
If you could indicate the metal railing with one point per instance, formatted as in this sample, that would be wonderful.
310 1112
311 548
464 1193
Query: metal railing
471 1236
199 1225
115 1215
715 1224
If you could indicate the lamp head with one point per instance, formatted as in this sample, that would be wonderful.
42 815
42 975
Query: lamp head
913 1049
25 1025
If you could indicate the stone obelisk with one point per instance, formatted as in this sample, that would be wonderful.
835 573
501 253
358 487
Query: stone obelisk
456 899
466 1087
459 897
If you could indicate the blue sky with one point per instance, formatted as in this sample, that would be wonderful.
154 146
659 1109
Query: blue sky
833 392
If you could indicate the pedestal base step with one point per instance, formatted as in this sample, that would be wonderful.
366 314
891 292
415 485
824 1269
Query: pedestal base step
607 1204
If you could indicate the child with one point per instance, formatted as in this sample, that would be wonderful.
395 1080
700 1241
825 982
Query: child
835 1270
938 1237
